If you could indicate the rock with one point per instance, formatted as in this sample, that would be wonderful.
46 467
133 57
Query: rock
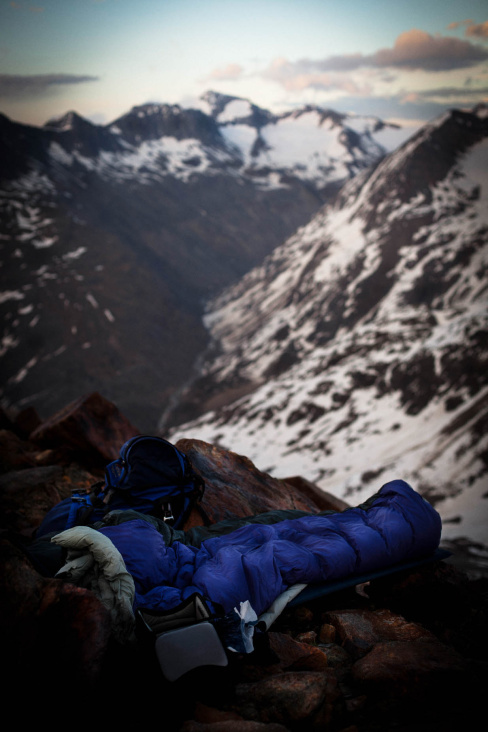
27 421
337 656
27 495
301 617
309 637
235 487
327 633
291 698
324 500
360 630
53 635
233 725
444 601
91 425
209 715
295 655
6 420
412 653
15 453
421 670
294 620
276 652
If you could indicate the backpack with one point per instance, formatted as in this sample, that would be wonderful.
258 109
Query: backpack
151 476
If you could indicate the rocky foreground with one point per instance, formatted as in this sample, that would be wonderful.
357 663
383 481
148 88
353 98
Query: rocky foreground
406 652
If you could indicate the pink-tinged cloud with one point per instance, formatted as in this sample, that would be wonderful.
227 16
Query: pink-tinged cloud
459 23
479 30
416 49
229 73
413 50
326 82
298 75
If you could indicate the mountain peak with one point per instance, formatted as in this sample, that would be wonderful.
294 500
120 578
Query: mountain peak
217 101
153 121
69 121
230 110
150 109
324 113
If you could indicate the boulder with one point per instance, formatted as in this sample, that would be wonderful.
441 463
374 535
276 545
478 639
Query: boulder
295 655
90 425
327 633
235 487
360 630
337 657
324 500
27 420
293 698
27 495
442 599
419 671
309 637
6 420
53 635
15 453
232 725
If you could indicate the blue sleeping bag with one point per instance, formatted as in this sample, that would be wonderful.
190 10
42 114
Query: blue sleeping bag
258 562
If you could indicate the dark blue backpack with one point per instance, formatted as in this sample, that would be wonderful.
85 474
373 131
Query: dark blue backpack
151 476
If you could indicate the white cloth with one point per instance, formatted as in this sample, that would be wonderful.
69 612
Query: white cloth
93 562
279 605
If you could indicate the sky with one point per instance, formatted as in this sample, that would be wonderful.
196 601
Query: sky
400 60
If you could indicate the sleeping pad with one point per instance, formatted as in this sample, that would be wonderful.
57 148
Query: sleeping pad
257 562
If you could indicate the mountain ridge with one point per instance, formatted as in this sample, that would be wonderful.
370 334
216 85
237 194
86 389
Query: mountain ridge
356 348
114 236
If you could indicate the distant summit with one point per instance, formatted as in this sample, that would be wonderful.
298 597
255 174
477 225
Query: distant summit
234 110
69 121
155 121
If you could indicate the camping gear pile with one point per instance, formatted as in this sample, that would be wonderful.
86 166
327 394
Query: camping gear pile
202 598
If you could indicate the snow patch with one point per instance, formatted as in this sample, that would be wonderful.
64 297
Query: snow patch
76 254
11 295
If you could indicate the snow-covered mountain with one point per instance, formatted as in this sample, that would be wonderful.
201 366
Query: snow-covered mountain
358 351
112 237
317 145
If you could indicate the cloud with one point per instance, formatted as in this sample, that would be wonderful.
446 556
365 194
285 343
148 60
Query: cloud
413 50
294 79
229 73
416 49
473 30
459 23
452 93
15 87
479 30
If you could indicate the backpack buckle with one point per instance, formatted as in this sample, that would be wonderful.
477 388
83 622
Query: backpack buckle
79 495
168 512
